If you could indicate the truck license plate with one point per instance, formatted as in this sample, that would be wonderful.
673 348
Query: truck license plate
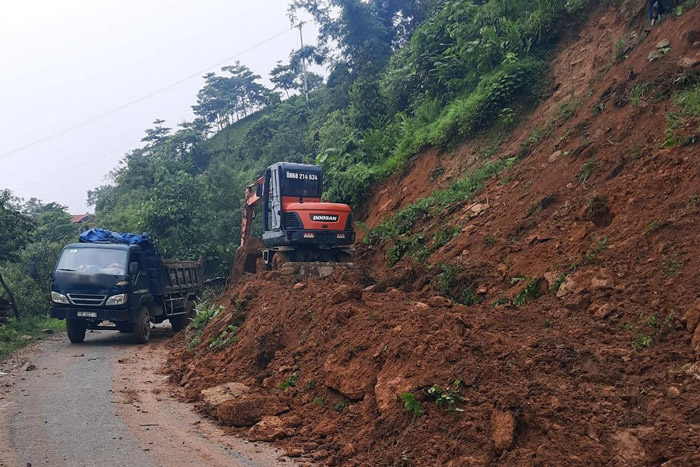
87 314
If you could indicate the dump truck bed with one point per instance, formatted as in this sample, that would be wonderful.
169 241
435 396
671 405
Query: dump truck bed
183 277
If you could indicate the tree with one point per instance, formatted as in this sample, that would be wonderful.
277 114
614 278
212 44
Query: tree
226 99
284 77
16 230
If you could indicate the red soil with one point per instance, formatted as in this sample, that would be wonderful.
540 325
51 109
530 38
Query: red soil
604 372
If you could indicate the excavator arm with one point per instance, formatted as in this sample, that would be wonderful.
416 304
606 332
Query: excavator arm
253 197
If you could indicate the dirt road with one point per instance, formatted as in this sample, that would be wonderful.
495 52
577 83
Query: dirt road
104 403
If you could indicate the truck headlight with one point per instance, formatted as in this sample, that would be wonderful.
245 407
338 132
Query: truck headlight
59 298
117 299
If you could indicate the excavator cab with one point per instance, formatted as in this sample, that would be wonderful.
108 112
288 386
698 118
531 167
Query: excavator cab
297 225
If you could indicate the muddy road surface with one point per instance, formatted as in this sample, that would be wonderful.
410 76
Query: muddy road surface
105 403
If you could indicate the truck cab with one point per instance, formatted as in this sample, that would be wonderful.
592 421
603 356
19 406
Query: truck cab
92 283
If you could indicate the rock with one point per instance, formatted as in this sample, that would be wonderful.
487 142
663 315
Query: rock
688 62
345 293
603 280
628 449
502 430
420 306
47 331
388 390
554 157
551 278
351 376
370 288
664 44
269 428
248 409
299 286
30 367
294 452
326 427
478 209
26 338
439 301
692 318
695 342
604 311
248 292
672 392
214 397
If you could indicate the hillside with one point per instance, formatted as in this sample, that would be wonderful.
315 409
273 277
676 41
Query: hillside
551 270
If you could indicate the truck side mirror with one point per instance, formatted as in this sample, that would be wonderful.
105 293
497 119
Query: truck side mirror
133 268
33 273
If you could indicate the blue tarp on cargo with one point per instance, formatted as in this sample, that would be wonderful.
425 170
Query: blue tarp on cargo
107 236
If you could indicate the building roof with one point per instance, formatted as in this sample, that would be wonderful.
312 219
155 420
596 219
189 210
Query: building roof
78 218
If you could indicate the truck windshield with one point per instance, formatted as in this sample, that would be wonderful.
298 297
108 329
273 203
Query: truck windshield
93 261
301 183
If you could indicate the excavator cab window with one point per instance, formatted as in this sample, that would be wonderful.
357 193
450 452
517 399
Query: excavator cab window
302 183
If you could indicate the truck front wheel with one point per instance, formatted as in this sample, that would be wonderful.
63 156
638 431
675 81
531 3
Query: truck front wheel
142 327
76 330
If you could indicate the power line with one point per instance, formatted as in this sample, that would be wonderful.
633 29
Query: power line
70 169
136 101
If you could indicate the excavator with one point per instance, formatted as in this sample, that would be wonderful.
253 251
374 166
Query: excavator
297 225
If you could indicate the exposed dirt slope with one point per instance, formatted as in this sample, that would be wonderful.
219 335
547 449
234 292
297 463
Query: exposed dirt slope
579 346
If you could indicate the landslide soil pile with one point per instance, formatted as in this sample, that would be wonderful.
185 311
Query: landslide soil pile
565 299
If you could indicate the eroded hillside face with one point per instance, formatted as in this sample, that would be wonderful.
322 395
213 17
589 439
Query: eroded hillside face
563 296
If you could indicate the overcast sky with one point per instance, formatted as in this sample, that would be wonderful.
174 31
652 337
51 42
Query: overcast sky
65 62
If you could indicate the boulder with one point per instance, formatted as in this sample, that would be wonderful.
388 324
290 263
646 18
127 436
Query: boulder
388 390
345 293
555 157
249 409
439 301
692 318
603 311
502 430
269 428
352 377
603 280
214 397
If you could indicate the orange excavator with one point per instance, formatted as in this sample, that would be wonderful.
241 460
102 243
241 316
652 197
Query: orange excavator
297 226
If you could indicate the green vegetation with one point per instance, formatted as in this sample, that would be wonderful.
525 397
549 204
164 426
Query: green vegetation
530 291
599 247
639 92
411 405
688 103
225 339
16 334
648 329
289 382
656 224
586 169
30 231
319 401
448 397
204 315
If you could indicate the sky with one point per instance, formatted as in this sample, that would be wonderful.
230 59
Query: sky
63 63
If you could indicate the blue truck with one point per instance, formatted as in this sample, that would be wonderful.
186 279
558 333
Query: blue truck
121 279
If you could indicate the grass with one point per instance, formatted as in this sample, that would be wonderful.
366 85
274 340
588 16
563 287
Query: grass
586 170
226 338
12 334
639 92
411 405
688 102
289 382
199 323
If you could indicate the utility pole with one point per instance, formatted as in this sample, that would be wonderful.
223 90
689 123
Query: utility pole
303 61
